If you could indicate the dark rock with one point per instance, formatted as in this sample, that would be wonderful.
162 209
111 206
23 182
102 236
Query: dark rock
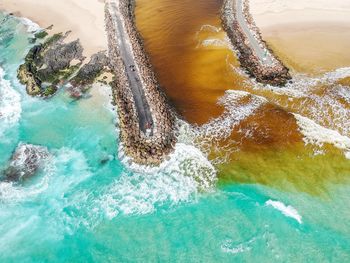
26 160
49 62
90 71
88 74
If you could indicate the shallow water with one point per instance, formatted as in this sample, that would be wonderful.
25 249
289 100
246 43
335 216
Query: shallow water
270 197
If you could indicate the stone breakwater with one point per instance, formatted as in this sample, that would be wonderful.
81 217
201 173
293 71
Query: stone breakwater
273 73
148 148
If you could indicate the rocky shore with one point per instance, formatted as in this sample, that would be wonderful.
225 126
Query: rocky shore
26 160
53 62
143 148
276 73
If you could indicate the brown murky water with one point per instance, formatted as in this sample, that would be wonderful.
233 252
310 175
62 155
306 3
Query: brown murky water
196 66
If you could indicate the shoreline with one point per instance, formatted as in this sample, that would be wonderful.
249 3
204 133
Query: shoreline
309 36
85 19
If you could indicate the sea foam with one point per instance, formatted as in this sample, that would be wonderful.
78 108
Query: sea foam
238 106
317 135
31 26
10 104
288 211
178 179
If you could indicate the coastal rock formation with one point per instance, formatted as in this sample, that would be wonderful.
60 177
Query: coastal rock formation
253 53
88 73
26 160
147 123
53 62
48 63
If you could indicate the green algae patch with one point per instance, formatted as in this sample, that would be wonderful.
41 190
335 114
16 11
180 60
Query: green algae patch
41 34
49 63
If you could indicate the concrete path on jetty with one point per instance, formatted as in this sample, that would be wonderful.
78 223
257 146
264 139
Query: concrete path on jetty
133 73
253 53
260 52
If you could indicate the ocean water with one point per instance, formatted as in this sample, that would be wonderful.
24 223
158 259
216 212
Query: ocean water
86 205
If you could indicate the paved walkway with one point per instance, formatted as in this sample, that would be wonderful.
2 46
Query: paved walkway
132 71
261 53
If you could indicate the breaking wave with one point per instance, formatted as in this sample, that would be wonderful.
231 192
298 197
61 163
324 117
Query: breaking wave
317 135
181 178
53 180
31 26
320 98
238 106
288 211
10 104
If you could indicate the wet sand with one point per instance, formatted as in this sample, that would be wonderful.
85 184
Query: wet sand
310 36
311 47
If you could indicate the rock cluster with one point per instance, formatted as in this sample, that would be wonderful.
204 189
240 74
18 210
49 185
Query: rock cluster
88 73
276 74
47 63
53 62
26 160
142 148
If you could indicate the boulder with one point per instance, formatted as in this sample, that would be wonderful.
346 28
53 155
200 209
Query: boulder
26 160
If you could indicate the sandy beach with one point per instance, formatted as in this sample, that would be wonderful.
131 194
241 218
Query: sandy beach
84 18
309 36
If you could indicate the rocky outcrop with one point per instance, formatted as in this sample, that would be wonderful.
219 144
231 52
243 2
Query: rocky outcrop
142 148
88 73
48 63
26 160
54 62
276 73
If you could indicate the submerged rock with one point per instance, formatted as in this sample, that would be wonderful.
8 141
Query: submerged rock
26 160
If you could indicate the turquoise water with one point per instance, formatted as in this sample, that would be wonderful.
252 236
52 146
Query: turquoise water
81 209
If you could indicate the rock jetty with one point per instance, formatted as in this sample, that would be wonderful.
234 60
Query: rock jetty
147 123
253 52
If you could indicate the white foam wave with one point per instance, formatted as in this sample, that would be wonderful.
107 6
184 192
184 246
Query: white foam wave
303 85
10 104
210 28
61 172
343 93
238 106
317 135
330 106
178 179
32 27
229 247
288 211
214 42
13 192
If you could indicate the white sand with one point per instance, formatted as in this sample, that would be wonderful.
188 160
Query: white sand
274 12
85 18
308 35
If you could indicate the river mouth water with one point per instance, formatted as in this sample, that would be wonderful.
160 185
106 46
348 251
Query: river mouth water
263 141
277 199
